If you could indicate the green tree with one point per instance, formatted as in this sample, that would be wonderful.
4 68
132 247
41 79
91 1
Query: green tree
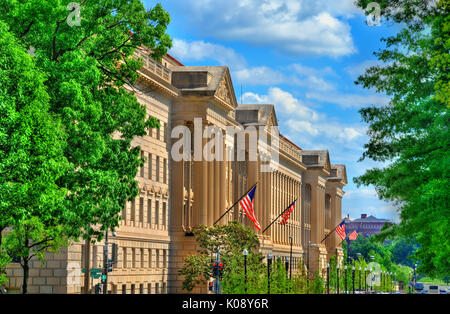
31 159
411 134
88 69
231 239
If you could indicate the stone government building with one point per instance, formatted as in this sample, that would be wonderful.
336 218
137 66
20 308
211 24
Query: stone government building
156 231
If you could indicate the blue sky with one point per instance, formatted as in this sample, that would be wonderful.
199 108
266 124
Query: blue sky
300 55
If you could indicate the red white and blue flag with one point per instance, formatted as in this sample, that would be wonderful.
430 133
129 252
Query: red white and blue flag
340 230
247 204
287 213
353 235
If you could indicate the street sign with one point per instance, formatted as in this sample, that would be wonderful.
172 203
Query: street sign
94 273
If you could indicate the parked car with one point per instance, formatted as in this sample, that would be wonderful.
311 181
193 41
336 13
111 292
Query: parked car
443 291
418 286
423 292
433 290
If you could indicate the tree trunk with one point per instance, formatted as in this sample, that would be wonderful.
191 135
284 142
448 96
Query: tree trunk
25 268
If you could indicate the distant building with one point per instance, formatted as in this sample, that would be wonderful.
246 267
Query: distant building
366 225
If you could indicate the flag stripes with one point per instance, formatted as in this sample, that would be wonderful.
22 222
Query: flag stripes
340 230
247 204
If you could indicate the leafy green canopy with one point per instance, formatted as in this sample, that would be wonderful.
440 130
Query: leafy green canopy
31 156
411 133
86 69
232 239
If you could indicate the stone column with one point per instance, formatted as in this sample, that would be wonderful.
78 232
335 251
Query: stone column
177 192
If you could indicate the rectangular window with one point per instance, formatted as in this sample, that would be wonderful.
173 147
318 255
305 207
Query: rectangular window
125 257
157 288
149 258
149 211
157 168
142 259
164 287
124 289
164 213
157 212
158 132
141 209
141 288
132 288
164 259
124 211
157 259
142 168
165 171
149 288
133 209
150 161
133 258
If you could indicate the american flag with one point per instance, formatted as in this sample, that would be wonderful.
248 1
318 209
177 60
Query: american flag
247 204
340 230
353 235
287 213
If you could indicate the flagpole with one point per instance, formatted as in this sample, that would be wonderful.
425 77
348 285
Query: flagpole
235 203
278 216
330 232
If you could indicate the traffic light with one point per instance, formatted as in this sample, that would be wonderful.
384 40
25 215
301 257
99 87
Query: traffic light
110 264
220 269
211 286
215 270
103 278
98 289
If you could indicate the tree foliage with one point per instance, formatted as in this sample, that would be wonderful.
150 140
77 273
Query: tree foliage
31 159
411 133
87 69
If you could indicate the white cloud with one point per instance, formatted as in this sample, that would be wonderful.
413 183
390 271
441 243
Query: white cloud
302 120
201 50
298 27
284 103
259 76
351 194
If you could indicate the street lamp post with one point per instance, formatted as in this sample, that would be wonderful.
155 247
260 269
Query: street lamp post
245 268
328 278
345 275
353 279
360 278
269 262
337 276
365 279
286 263
290 258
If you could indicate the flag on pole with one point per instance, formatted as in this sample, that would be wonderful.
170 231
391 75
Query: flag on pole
287 213
340 230
353 235
247 204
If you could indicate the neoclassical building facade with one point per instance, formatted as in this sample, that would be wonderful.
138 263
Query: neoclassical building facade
175 197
